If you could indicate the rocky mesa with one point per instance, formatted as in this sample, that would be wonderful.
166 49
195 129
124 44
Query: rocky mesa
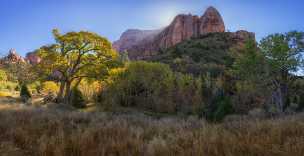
143 44
14 57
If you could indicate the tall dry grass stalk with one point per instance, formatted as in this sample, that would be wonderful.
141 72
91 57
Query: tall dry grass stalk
41 132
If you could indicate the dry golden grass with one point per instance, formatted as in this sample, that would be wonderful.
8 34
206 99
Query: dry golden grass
5 94
42 132
10 103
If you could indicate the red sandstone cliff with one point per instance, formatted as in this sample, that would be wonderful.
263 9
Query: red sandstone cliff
142 45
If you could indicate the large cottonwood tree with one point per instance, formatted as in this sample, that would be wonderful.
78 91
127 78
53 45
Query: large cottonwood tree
273 65
74 56
283 53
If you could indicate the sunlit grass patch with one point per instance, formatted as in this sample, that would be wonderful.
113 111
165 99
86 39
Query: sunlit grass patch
8 86
5 94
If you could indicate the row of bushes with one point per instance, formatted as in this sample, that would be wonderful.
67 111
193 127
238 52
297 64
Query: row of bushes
153 87
156 88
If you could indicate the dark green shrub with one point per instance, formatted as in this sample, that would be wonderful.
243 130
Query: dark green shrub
301 103
25 93
77 98
17 88
220 107
224 108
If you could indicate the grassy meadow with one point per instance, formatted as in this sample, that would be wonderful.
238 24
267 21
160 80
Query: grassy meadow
29 131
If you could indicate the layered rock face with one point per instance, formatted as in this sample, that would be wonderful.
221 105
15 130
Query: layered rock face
12 57
183 27
240 37
141 45
211 21
32 58
132 37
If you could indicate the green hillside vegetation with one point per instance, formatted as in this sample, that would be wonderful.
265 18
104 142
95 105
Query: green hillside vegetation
208 53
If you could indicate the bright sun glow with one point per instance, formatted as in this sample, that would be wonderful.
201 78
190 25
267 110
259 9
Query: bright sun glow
163 15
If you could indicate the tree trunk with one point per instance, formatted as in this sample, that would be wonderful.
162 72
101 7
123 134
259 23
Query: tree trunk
78 83
60 93
277 99
284 88
67 93
284 91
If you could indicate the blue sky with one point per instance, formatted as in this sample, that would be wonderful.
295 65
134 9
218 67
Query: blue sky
26 24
